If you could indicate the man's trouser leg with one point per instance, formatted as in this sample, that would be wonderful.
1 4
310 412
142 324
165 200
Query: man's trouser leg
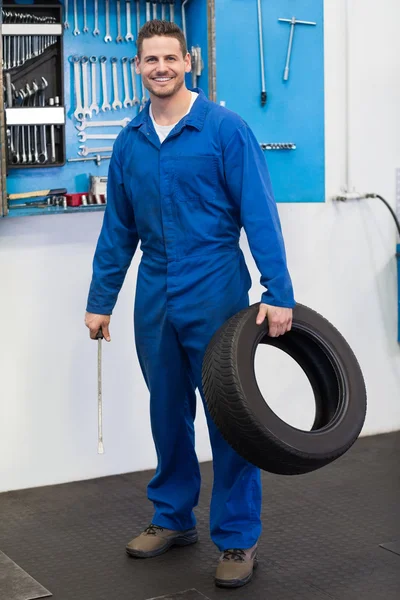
174 489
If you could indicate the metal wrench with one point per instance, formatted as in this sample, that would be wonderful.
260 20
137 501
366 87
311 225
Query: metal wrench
85 78
134 86
106 105
94 107
66 24
84 150
76 30
129 35
117 103
120 123
119 37
78 114
85 27
52 137
96 30
83 136
107 37
127 102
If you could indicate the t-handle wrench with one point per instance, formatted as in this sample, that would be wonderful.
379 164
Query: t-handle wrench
293 21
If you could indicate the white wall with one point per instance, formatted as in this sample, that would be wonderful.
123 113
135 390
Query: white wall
341 258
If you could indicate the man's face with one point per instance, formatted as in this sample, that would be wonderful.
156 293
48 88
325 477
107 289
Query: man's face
162 66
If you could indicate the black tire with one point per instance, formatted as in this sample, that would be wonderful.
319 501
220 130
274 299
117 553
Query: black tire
244 418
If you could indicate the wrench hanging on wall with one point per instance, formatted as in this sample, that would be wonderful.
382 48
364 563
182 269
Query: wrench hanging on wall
262 66
293 22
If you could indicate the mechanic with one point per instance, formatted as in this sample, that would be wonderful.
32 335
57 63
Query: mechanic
185 176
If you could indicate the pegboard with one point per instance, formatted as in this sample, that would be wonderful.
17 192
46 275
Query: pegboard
75 176
294 111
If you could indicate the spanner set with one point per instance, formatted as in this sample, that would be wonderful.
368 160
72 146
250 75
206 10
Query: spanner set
33 85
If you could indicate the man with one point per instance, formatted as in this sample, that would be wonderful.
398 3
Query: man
185 176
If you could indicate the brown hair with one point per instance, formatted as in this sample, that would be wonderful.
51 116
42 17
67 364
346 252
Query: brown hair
162 28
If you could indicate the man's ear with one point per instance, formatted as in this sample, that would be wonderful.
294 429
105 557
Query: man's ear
137 65
188 63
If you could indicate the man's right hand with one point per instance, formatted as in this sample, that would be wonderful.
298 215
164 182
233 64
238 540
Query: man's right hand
95 322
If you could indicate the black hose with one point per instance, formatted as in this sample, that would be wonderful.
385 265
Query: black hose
389 208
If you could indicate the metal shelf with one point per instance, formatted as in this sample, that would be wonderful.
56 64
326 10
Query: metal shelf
32 29
36 115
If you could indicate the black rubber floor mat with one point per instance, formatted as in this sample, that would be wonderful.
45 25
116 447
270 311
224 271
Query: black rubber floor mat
186 595
16 584
320 541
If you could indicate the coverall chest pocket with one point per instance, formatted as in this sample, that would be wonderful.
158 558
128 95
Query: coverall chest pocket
195 178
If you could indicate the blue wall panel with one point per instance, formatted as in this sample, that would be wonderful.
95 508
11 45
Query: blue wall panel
294 111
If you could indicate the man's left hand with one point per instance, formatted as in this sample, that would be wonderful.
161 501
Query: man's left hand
279 319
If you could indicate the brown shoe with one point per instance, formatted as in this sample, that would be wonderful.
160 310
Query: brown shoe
156 540
235 567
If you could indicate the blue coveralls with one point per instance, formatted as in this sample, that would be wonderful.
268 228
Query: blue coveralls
186 201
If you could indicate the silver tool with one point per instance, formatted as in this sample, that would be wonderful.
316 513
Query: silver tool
127 101
76 29
154 10
97 158
84 150
260 35
163 10
148 10
117 103
278 146
197 64
293 21
107 37
120 123
135 99
172 11
66 24
43 157
83 136
96 30
119 37
52 137
129 35
78 114
137 16
106 105
85 77
85 27
94 107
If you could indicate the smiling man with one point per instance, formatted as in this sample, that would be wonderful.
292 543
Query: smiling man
185 176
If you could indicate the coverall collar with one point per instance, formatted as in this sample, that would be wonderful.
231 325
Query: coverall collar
195 118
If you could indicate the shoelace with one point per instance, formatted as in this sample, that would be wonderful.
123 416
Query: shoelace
152 529
234 554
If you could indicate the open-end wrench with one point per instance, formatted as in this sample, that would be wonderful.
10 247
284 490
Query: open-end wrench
94 107
96 30
129 35
83 136
107 37
76 30
117 103
119 37
172 11
66 24
43 157
84 150
154 10
135 99
30 93
148 10
35 88
78 114
85 27
120 123
127 102
85 77
52 137
163 10
106 105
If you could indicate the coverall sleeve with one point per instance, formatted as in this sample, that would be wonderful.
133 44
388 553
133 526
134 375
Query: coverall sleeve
249 184
116 245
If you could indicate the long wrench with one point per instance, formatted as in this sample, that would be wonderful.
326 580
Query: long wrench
100 445
85 77
84 150
66 24
107 37
127 102
117 103
83 136
134 86
119 37
52 137
94 107
129 35
78 114
76 30
85 27
260 35
117 123
96 30
106 105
